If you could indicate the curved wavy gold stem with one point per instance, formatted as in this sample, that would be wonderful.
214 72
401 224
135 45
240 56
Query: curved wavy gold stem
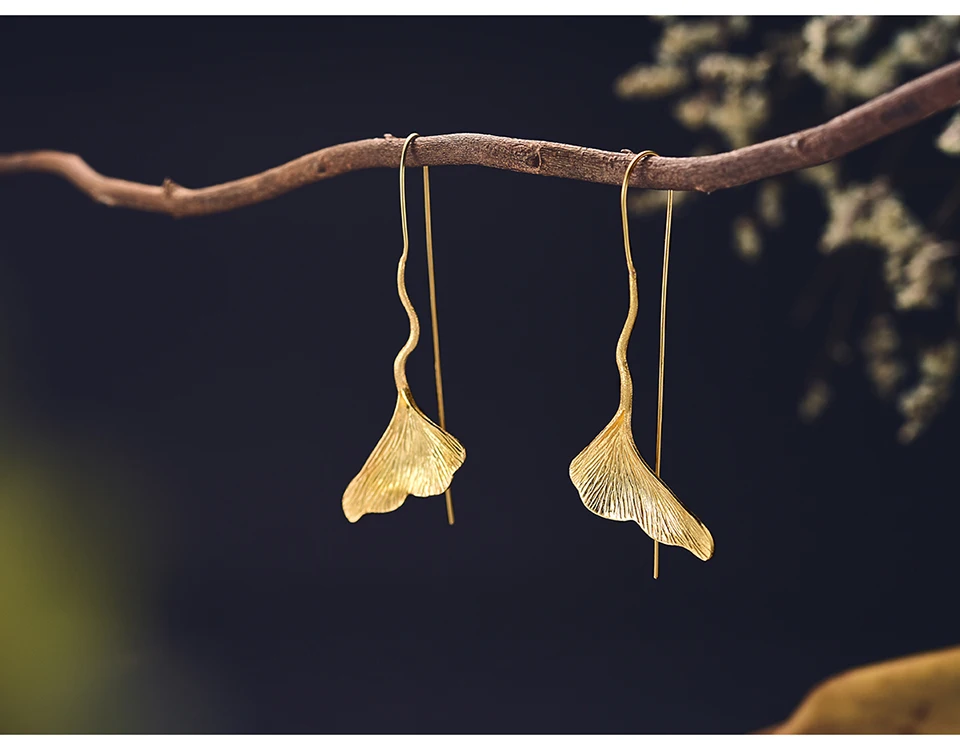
414 456
400 363
610 474
626 382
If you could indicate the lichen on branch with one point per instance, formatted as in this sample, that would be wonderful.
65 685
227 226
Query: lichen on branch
726 97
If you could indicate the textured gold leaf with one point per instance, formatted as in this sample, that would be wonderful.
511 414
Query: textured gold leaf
414 457
615 482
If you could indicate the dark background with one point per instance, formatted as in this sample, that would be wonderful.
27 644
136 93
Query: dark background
239 368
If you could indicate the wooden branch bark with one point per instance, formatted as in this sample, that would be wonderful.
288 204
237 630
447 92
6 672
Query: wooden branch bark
896 110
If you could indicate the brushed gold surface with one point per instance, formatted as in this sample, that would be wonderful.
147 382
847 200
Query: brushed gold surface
611 476
414 456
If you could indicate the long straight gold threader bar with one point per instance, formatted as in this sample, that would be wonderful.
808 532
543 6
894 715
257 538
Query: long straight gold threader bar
433 320
663 346
663 309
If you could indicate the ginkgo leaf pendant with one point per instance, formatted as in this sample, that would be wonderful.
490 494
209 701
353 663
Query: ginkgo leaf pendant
612 478
615 482
414 457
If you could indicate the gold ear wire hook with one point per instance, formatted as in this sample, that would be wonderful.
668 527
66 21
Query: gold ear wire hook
663 346
433 288
433 320
663 308
414 456
399 364
610 474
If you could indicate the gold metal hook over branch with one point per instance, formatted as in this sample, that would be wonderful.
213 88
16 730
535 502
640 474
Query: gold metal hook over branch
610 474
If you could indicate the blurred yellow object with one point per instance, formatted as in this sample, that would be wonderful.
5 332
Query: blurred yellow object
60 623
918 694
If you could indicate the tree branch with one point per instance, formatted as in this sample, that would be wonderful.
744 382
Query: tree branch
896 110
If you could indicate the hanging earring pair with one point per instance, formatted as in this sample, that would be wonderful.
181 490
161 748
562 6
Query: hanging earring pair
611 476
415 456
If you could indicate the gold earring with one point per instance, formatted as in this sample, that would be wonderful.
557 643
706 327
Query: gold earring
612 478
414 456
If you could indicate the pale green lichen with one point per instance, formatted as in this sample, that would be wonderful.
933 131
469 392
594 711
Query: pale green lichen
928 44
747 239
727 99
654 201
815 400
734 105
848 32
770 203
916 266
920 276
651 81
830 39
682 41
949 140
823 176
838 75
693 112
740 115
737 116
732 70
938 371
880 346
